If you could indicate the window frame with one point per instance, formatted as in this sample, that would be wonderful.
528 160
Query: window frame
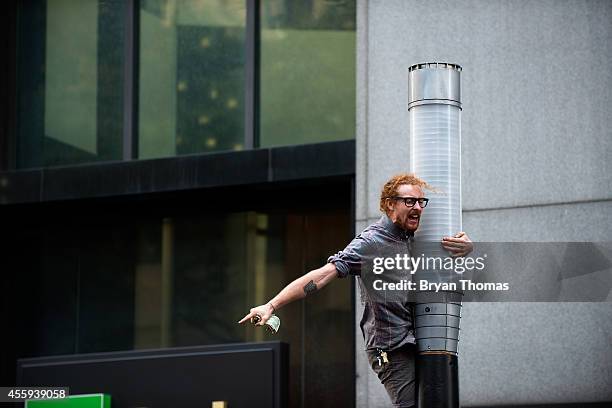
130 91
132 67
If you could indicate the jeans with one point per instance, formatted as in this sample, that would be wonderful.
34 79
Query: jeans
398 375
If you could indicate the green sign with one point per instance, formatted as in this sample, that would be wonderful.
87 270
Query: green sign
73 401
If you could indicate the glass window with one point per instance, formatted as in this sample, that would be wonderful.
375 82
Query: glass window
191 79
123 281
70 82
307 71
191 76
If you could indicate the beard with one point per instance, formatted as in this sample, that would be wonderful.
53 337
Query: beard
411 224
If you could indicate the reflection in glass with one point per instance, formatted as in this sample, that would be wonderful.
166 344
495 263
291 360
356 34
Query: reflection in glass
122 283
70 56
307 71
191 76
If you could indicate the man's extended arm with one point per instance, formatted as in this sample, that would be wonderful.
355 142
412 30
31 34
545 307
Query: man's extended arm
298 289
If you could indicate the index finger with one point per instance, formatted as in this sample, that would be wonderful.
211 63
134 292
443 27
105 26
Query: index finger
247 317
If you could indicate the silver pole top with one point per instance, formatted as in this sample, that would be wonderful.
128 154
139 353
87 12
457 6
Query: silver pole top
434 83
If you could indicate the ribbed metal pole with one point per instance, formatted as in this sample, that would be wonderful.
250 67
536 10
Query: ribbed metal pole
434 106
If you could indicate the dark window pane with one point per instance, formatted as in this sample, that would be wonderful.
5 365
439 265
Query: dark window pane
307 71
191 76
70 81
134 278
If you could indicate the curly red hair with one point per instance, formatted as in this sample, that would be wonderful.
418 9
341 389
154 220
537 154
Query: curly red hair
391 186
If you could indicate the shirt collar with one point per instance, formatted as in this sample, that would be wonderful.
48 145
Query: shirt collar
395 229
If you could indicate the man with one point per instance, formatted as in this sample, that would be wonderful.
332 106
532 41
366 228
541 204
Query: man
387 326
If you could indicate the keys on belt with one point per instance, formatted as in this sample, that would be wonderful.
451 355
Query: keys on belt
381 357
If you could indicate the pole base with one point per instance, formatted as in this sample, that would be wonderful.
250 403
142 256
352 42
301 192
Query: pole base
437 380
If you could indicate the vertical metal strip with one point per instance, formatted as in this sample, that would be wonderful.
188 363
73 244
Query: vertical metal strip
130 80
251 85
167 282
8 150
303 318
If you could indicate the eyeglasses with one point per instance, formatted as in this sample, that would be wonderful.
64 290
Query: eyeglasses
411 201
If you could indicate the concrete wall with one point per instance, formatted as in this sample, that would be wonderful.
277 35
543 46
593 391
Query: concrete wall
536 157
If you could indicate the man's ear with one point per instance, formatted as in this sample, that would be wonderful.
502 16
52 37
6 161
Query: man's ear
389 204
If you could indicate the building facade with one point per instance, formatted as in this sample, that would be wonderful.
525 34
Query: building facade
536 148
167 164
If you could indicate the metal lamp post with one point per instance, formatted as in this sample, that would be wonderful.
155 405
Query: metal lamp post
434 106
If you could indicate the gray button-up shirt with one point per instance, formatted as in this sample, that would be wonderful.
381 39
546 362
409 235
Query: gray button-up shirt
387 325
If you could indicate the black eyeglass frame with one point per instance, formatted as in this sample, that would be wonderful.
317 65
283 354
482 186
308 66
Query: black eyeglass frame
422 201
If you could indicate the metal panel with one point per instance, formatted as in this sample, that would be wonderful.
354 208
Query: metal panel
173 377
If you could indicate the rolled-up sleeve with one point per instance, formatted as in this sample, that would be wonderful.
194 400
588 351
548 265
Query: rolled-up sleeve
350 260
